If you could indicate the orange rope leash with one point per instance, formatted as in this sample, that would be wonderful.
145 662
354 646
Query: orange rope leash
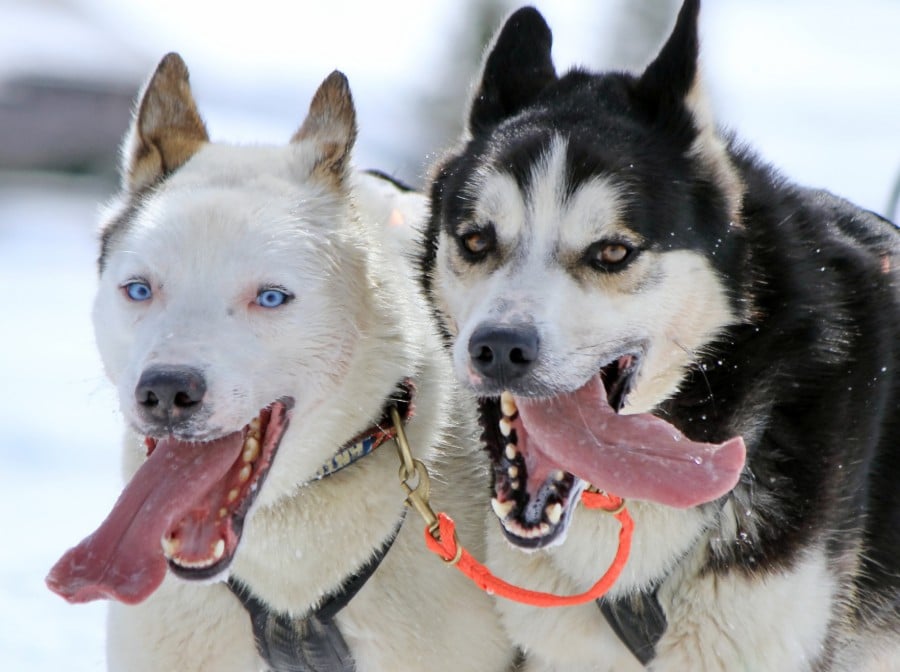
445 544
441 539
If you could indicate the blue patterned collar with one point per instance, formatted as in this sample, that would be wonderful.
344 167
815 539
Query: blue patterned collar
370 439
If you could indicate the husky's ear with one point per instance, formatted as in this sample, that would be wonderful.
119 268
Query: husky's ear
673 74
167 129
517 68
672 88
671 85
331 128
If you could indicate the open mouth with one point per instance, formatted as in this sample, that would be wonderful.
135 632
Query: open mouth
546 451
618 379
203 542
183 509
533 497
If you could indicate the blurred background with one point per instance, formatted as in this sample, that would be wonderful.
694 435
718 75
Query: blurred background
814 85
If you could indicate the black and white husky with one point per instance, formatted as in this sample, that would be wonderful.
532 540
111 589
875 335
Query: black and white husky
257 332
645 308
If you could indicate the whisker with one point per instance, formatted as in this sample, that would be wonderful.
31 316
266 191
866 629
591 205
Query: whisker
696 362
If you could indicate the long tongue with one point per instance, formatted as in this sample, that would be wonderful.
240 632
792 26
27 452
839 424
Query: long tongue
123 558
635 456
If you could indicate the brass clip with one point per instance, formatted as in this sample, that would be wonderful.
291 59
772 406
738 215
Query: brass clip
417 495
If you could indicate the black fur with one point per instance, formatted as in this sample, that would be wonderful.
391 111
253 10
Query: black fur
517 69
809 376
380 174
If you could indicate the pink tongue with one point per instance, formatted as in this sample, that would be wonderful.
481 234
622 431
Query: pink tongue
633 456
123 558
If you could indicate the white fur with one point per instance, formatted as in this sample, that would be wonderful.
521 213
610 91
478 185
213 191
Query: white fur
228 222
775 621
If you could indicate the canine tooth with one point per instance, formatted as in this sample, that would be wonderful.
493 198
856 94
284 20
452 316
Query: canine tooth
554 513
244 473
513 471
511 451
233 495
219 549
170 546
502 509
508 404
251 449
505 427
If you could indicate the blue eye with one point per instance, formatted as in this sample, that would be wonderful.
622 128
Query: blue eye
138 290
272 298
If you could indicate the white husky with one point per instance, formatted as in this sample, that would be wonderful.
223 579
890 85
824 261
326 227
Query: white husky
257 338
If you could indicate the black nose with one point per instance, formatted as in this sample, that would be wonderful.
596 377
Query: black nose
503 353
169 395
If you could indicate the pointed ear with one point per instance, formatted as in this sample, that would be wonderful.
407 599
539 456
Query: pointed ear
517 68
672 87
331 127
167 129
670 78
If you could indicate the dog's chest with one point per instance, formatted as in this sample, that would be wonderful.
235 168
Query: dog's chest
582 635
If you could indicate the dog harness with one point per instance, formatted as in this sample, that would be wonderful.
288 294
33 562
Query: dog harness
638 621
313 642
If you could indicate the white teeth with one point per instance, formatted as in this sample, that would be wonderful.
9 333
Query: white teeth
507 404
244 473
502 509
511 451
255 426
513 471
223 512
514 485
554 513
559 475
505 427
535 532
194 564
170 546
233 495
251 449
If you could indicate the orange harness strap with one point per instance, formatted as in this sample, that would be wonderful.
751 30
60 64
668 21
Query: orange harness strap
444 543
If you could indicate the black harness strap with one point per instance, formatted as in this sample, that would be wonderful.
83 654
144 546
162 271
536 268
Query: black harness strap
310 643
638 621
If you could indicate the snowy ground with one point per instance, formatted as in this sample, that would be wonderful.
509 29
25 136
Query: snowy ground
817 91
57 421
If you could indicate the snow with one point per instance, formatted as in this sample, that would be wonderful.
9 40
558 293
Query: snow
816 90
58 420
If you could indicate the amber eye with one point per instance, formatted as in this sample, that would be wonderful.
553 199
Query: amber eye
613 253
609 255
477 243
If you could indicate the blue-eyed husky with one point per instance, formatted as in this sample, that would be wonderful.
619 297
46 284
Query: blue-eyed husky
258 334
646 308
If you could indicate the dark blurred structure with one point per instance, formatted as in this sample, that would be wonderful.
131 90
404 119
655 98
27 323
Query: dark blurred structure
55 124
